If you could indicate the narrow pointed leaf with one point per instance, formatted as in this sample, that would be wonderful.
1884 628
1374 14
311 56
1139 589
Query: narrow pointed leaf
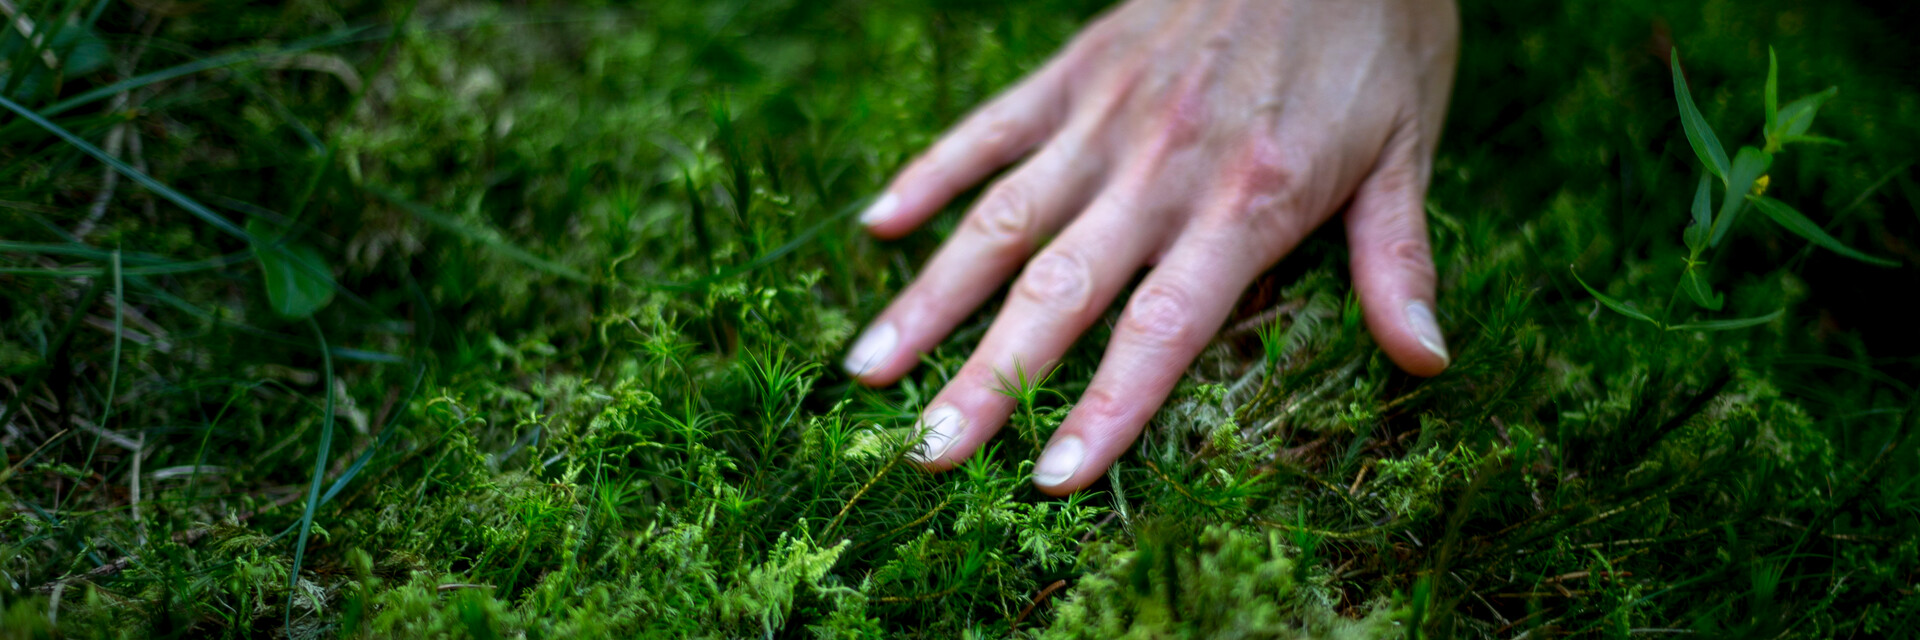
1727 325
1807 139
1786 216
1699 135
1748 166
1696 234
1797 116
1703 203
1616 305
1773 90
1695 282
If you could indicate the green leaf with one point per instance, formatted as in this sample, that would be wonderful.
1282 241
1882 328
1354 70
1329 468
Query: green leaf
1748 166
1616 305
298 280
1773 90
1797 116
1727 325
1696 234
1699 134
1812 140
1798 223
1695 282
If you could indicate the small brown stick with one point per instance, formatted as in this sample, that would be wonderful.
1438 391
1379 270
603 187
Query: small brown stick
922 519
1510 625
863 491
25 26
4 475
1056 586
1355 489
1176 486
458 586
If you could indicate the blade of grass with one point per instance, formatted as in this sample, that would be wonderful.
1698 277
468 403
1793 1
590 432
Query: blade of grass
192 206
386 433
113 375
344 36
488 237
1727 325
319 471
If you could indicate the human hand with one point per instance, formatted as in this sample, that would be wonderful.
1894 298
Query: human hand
1203 137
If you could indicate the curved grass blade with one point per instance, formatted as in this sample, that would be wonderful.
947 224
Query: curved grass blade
319 472
379 442
488 237
344 36
1748 166
1798 223
1699 134
193 207
1616 305
1728 325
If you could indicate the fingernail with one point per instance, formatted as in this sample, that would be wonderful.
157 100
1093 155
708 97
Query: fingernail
1061 460
880 210
1425 328
872 349
943 425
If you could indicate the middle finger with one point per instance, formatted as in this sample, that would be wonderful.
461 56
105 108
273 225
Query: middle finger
1059 294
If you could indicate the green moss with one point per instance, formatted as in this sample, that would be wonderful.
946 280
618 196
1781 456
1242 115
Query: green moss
597 264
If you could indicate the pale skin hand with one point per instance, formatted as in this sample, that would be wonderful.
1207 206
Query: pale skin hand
1202 138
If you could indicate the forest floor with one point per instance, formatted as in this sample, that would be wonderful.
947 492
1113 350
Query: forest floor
458 319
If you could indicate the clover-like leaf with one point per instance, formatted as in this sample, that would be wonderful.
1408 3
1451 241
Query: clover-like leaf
299 282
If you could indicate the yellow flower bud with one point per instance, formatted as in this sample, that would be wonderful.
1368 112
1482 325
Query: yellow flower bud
1760 186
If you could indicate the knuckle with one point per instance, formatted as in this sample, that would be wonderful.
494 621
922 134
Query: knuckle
1411 253
1006 214
1160 315
1264 169
1000 136
1058 280
1099 406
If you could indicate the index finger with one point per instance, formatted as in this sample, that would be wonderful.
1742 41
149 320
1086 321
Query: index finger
992 137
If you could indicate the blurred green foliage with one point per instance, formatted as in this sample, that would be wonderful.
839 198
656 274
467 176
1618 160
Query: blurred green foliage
561 286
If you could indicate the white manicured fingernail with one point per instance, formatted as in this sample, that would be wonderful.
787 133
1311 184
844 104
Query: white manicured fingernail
1061 460
872 349
942 425
880 210
1426 329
